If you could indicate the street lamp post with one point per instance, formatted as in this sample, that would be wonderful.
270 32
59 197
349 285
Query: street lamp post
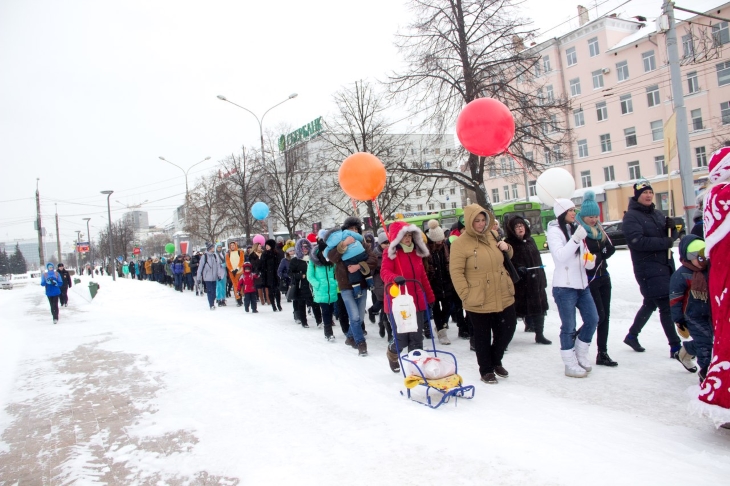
77 250
261 136
185 172
88 235
111 246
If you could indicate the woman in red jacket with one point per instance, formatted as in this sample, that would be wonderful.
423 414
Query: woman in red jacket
405 259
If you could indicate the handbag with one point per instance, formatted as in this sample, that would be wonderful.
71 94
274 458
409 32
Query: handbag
514 275
291 294
405 313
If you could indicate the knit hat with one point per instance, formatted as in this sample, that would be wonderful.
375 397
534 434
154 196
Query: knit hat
291 250
209 245
640 187
321 233
589 206
49 266
280 239
561 206
312 238
382 236
435 233
352 221
719 166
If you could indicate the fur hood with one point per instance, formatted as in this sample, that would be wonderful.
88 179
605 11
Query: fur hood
316 256
302 242
509 230
398 230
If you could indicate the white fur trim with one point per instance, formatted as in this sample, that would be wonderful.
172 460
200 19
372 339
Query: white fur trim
421 248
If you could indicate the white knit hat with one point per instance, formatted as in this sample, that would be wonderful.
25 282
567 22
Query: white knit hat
435 233
561 206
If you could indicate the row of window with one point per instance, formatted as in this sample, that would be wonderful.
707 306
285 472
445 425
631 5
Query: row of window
430 206
429 192
425 151
515 192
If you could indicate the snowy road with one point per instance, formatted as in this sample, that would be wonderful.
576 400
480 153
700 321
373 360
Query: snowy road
146 385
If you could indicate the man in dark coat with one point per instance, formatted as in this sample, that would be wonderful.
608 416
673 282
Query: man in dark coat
302 291
268 267
531 302
650 236
437 271
65 285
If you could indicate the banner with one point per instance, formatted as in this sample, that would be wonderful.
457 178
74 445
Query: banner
82 247
184 247
136 251
670 140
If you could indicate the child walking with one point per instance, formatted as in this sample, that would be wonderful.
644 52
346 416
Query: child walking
247 287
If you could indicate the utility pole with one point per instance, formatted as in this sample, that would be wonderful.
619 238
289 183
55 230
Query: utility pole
58 236
76 251
40 226
683 149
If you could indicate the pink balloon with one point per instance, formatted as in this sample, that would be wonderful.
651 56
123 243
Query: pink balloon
259 239
485 127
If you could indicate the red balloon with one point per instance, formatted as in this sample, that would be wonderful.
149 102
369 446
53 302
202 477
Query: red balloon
485 127
362 176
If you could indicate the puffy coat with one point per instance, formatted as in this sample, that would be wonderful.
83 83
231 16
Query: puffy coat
245 283
268 265
409 265
530 296
65 278
477 267
178 267
321 277
210 268
684 305
335 256
569 269
52 282
646 236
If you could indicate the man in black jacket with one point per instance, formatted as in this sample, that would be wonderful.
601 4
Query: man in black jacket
650 236
66 284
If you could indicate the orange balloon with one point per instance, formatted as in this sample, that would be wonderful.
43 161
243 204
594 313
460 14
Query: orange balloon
362 176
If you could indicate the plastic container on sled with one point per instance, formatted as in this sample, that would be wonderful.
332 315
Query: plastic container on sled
417 367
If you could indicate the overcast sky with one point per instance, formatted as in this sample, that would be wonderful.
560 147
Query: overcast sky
92 93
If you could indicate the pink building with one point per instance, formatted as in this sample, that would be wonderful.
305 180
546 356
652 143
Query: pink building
616 74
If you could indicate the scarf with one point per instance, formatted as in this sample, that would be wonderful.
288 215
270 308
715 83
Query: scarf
408 248
698 286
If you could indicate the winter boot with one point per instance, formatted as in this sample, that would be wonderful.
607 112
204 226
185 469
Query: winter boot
350 342
443 338
362 349
371 315
381 328
541 339
686 359
603 359
427 331
529 328
239 302
273 306
633 341
572 368
393 361
581 354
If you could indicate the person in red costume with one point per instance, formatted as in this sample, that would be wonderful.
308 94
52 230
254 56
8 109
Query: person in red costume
714 396
234 261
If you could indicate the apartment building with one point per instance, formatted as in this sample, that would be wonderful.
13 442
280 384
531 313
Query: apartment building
615 73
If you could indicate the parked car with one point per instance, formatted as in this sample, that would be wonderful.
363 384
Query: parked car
614 230
5 283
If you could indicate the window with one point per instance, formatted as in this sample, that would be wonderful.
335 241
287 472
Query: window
585 178
725 112
437 151
606 142
593 47
578 117
511 164
453 205
557 154
495 195
652 95
661 168
441 192
545 127
571 56
449 163
627 106
442 205
601 111
506 192
532 188
425 151
553 123
575 87
582 148
546 64
418 193
413 151
529 156
696 116
597 79
701 156
548 156
630 136
402 151
634 170
537 69
419 207
492 171
720 33
649 61
452 191
608 174
723 73
550 94
657 130
688 46
693 84
622 69
540 97
448 151
503 164
515 192
431 206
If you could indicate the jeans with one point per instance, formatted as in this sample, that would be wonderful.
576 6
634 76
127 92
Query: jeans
493 331
601 293
178 281
249 300
665 316
567 300
327 311
355 311
188 279
54 306
210 288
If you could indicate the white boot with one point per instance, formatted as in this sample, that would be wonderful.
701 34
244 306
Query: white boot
581 353
443 338
572 368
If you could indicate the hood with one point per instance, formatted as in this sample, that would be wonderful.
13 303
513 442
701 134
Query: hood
509 229
317 257
684 243
397 230
302 242
247 267
470 214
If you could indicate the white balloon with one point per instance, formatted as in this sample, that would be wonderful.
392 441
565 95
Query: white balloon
555 183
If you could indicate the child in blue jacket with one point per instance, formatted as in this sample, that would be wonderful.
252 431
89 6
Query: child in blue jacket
354 255
52 281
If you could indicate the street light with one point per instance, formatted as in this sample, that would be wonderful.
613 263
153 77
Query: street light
261 135
111 246
88 235
184 172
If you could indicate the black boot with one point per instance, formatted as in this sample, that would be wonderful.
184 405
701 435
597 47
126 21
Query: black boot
604 359
633 341
541 339
427 331
239 302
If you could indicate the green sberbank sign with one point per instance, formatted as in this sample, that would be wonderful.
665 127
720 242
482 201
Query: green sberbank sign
300 134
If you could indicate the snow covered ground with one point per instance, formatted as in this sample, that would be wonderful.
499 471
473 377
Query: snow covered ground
145 385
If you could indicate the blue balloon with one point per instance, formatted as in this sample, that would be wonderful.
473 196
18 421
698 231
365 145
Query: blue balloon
259 211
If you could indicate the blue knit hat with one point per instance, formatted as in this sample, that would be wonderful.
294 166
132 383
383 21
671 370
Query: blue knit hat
589 206
49 266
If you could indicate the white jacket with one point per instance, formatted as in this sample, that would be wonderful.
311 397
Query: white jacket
569 270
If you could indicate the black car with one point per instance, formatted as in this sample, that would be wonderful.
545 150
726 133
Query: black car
615 232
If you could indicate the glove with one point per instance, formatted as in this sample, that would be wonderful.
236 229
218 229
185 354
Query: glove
522 271
670 242
399 280
52 281
579 235
668 223
682 329
235 271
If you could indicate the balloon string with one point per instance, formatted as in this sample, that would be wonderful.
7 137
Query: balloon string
380 215
354 205
537 182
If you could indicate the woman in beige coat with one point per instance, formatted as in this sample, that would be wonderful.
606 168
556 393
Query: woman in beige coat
485 288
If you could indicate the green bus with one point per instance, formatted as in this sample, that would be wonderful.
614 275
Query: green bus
531 212
445 217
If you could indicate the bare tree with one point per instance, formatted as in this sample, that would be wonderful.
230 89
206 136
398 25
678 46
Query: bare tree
244 185
122 239
155 244
208 215
359 126
460 50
